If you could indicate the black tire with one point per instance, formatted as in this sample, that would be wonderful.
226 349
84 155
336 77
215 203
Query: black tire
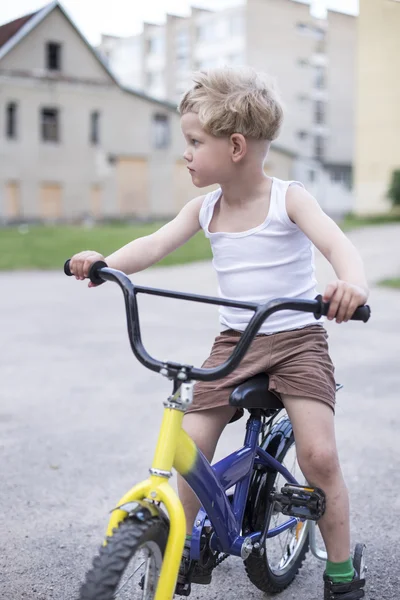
272 572
107 580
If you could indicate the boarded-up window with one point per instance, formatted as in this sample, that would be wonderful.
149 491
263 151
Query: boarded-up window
12 200
133 186
50 201
95 201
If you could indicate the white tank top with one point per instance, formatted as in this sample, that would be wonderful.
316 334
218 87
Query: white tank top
273 260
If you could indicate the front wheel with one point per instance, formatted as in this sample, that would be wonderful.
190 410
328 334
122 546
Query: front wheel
282 556
129 566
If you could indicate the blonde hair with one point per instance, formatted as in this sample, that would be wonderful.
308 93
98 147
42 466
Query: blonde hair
235 100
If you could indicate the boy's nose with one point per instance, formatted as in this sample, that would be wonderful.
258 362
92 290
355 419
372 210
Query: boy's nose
187 155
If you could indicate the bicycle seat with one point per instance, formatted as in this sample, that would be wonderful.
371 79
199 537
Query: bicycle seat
254 393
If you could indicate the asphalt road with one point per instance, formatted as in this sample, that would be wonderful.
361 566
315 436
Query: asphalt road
79 418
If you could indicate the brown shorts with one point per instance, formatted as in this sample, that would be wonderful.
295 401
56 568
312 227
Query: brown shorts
297 362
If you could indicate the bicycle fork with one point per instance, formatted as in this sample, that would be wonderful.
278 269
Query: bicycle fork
174 449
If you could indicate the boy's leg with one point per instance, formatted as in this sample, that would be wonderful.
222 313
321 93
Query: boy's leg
314 432
205 428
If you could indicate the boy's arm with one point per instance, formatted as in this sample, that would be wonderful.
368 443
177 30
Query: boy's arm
351 288
145 251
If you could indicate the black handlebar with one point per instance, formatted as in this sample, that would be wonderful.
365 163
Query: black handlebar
99 273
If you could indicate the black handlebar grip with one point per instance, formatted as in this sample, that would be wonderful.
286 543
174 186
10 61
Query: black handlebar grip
93 276
67 270
93 272
362 313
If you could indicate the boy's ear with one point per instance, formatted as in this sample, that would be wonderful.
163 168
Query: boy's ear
238 146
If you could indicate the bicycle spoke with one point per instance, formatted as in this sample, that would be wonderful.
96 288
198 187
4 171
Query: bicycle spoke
145 578
282 549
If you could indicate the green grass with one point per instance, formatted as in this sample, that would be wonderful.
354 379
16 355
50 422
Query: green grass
47 247
352 221
392 283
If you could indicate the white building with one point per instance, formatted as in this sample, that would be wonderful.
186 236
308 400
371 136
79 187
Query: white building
313 61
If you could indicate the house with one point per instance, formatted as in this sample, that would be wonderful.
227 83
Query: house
74 142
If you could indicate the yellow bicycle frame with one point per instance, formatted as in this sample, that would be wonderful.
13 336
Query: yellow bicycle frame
174 449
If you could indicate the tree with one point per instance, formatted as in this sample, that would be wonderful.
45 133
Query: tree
394 189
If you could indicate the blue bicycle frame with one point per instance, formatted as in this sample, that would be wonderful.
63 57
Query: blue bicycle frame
210 484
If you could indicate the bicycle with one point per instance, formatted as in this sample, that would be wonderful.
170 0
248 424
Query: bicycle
244 506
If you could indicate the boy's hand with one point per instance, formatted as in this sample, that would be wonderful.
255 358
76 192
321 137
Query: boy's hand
80 264
344 298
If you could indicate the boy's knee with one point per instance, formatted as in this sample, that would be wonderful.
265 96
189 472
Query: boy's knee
319 464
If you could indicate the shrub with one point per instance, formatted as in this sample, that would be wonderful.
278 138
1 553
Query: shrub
394 189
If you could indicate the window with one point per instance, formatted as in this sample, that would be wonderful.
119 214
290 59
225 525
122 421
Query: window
302 62
319 114
302 135
154 79
236 24
319 147
155 45
183 63
341 174
310 30
53 56
11 120
206 33
207 63
320 46
320 77
182 44
235 59
94 127
160 132
50 125
150 79
336 175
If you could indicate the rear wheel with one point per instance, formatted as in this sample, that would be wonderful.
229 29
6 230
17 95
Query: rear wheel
128 567
282 556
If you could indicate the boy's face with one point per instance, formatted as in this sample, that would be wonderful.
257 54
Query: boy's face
208 157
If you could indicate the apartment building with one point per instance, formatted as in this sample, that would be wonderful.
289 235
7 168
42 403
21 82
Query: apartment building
378 103
312 59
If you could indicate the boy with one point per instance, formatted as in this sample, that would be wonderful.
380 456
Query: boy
262 231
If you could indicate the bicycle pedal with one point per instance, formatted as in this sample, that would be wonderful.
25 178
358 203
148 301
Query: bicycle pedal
300 501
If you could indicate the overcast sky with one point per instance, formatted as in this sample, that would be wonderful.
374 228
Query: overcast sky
123 18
